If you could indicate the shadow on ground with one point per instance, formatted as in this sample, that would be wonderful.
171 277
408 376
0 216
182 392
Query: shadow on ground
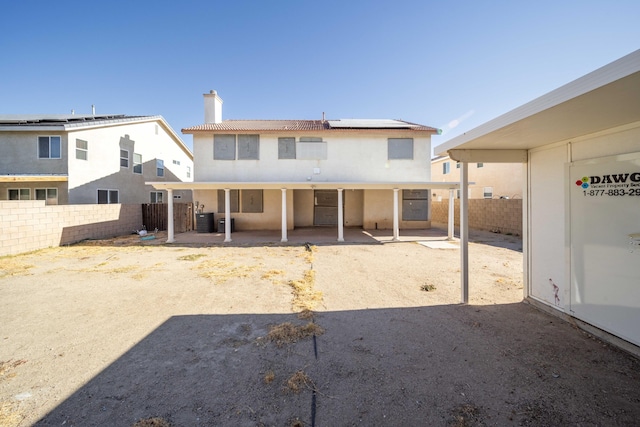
444 365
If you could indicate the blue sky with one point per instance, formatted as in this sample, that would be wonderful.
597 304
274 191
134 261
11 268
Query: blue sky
430 62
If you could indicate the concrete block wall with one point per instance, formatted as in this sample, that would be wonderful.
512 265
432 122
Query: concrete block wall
497 215
30 224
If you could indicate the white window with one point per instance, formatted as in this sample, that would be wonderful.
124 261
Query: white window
82 149
188 171
156 197
49 147
457 165
487 192
445 168
108 196
479 165
137 163
124 158
49 195
19 194
159 167
176 162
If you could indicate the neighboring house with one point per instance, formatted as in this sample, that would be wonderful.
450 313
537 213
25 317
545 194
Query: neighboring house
77 159
581 144
490 180
281 174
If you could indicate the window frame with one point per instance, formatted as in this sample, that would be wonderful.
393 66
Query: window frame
110 193
446 168
223 147
160 168
188 171
123 159
19 193
154 199
84 150
137 165
48 200
485 192
49 145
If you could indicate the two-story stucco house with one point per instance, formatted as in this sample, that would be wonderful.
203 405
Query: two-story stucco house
80 159
490 180
282 174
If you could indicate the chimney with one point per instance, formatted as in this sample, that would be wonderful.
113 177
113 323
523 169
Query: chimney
212 107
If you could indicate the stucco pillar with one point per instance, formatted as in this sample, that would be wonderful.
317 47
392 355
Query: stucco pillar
451 222
284 215
170 229
464 233
340 217
396 227
227 214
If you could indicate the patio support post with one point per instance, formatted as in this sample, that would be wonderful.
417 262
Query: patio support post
170 230
227 214
284 215
464 233
396 227
451 219
340 217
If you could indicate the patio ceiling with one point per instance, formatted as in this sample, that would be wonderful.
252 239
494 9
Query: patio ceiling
304 185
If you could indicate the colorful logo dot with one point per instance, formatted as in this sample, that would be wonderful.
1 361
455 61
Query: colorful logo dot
585 185
579 182
585 179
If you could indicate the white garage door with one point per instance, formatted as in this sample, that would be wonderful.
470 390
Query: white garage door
605 257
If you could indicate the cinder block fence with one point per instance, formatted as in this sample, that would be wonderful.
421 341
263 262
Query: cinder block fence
30 224
497 215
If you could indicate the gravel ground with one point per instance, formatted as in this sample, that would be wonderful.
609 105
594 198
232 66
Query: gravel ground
119 333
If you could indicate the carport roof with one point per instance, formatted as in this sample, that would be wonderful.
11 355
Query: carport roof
605 98
304 185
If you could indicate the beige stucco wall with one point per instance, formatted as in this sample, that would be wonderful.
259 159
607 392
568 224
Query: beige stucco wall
505 178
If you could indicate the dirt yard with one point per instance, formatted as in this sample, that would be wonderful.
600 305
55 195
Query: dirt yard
124 333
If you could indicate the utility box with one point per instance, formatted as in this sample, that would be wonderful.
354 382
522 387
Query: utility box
204 223
221 225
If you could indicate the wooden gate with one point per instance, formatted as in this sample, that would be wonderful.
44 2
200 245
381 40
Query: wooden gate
154 215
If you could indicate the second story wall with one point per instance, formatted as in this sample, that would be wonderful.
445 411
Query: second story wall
122 158
21 152
340 156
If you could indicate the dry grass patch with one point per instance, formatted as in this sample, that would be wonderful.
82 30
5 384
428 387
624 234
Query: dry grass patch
9 417
299 381
191 257
152 422
10 266
288 333
269 377
7 366
221 271
305 297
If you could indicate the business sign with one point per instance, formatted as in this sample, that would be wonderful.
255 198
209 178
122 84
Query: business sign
618 184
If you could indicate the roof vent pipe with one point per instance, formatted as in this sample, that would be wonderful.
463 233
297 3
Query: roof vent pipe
73 112
93 110
323 116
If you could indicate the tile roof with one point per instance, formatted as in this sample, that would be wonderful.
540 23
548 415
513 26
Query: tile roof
306 125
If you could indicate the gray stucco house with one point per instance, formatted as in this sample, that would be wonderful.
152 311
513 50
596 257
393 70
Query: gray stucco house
85 159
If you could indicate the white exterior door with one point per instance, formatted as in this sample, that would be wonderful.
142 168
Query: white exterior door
605 255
